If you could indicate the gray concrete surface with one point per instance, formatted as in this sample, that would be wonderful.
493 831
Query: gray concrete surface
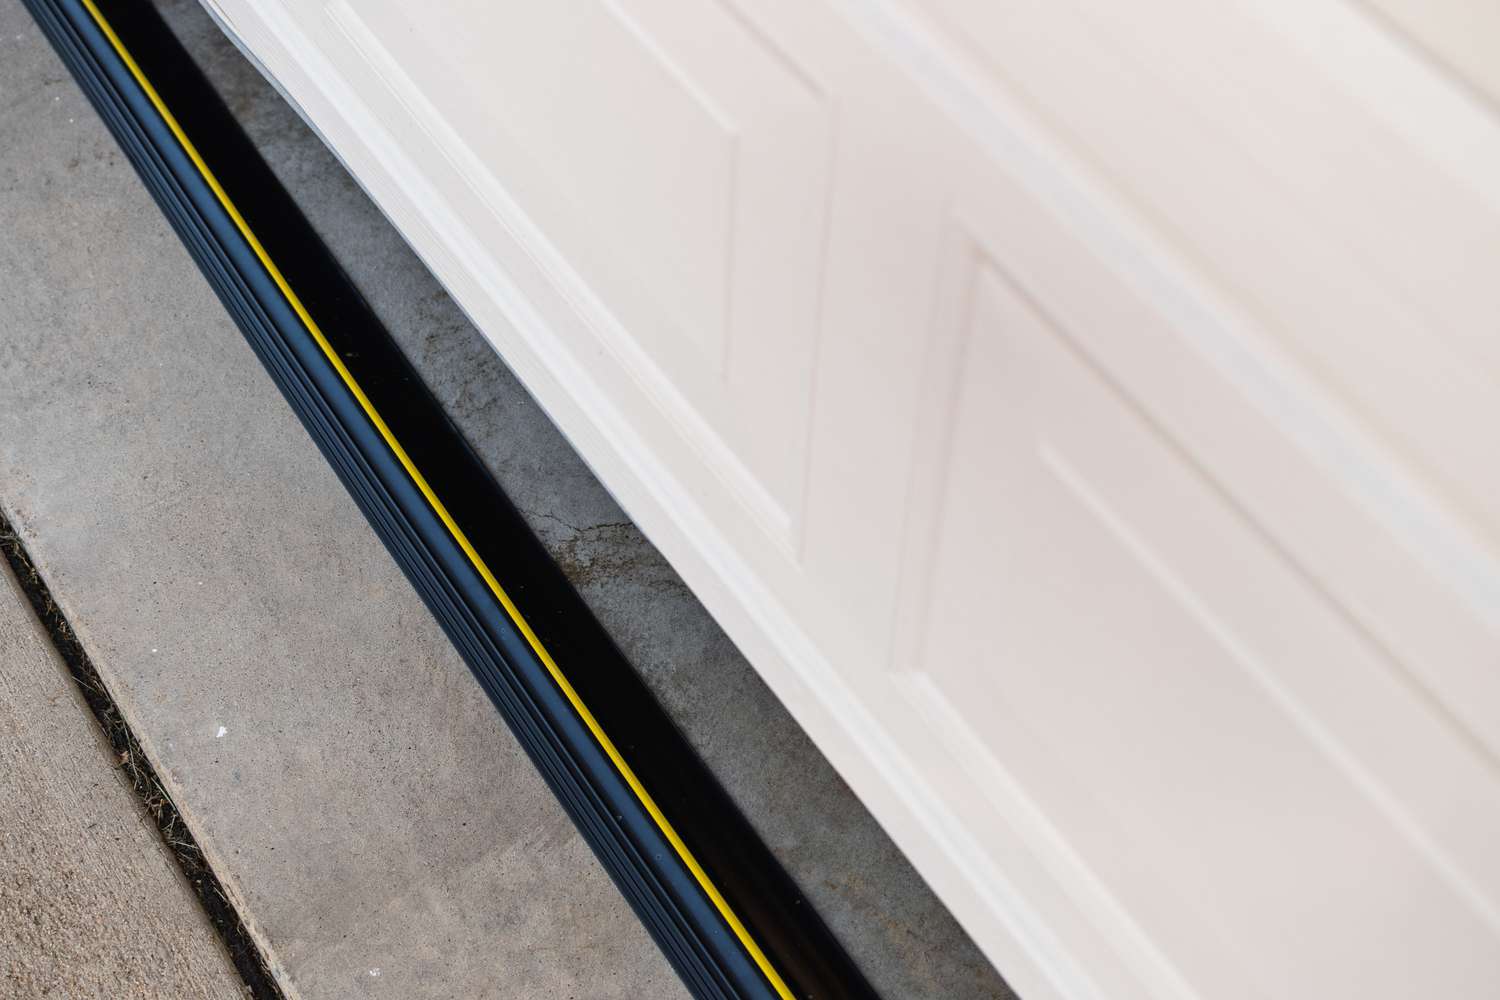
202 550
348 780
91 903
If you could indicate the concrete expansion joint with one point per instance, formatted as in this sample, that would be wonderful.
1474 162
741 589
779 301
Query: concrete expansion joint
131 760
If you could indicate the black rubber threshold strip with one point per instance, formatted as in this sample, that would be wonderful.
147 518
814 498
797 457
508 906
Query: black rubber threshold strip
717 903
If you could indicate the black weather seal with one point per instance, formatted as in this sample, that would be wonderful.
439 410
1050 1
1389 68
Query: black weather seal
718 904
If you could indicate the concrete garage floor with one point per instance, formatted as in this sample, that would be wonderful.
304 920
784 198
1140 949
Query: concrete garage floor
378 827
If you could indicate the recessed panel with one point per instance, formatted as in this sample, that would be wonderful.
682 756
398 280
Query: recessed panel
1091 586
611 148
675 158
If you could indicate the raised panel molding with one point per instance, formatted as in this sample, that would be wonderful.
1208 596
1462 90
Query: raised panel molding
1389 327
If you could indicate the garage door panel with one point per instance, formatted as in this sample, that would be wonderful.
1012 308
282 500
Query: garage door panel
678 162
1088 576
1361 251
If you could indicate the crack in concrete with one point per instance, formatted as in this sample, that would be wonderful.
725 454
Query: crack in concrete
576 529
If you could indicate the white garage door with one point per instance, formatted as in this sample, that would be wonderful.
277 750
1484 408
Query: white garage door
1085 415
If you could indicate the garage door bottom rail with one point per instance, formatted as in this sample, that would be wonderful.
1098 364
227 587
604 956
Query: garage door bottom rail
718 904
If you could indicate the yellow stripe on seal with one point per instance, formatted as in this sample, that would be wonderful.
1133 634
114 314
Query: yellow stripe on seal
608 746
